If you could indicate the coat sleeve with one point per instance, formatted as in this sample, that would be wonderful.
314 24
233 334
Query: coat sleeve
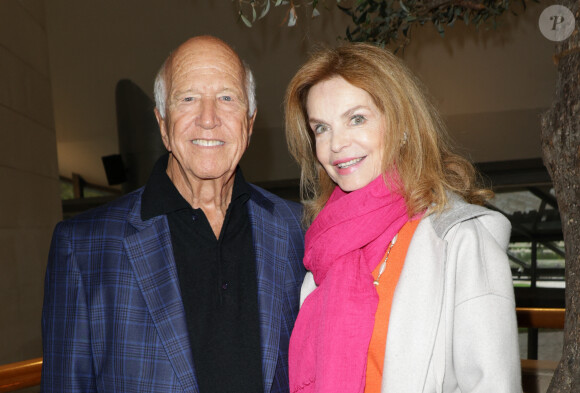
485 343
67 361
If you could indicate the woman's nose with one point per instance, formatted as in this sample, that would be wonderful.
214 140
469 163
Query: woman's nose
340 139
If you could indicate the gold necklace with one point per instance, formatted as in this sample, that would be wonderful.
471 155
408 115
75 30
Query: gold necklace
384 264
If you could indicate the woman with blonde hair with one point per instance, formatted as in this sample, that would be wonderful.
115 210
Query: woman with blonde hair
409 287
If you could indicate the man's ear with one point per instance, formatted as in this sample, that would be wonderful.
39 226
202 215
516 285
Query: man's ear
163 129
251 125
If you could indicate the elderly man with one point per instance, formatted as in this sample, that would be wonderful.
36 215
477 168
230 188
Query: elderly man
190 284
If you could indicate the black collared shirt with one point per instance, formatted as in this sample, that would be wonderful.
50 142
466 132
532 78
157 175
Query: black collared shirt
218 284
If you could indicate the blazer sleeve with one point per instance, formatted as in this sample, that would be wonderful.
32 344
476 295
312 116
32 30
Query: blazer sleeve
485 344
67 364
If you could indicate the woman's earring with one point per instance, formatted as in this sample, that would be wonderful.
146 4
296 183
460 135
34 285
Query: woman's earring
405 137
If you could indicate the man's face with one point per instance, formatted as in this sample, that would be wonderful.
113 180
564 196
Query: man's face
206 127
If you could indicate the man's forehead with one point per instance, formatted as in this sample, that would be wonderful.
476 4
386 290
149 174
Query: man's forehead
205 53
214 77
195 67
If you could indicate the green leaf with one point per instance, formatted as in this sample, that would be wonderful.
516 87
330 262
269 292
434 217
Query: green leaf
254 16
315 13
403 6
265 10
346 10
245 20
440 29
293 17
361 18
450 24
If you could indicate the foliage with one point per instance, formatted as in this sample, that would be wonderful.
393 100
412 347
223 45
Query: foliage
251 11
386 22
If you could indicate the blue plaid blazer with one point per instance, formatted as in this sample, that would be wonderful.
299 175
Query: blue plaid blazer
113 318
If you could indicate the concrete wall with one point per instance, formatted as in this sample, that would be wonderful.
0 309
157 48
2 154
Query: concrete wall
30 194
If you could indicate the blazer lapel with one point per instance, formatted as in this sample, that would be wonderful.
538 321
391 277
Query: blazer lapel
270 235
415 313
151 256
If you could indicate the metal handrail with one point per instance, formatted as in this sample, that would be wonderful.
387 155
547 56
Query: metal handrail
20 375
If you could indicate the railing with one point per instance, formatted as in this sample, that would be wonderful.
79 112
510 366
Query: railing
536 374
548 318
20 375
534 318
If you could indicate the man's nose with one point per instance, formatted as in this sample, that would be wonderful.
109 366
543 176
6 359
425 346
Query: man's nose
208 117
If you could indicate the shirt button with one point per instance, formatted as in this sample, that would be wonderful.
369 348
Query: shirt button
225 285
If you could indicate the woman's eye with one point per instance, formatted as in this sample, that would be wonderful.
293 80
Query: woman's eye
320 128
357 120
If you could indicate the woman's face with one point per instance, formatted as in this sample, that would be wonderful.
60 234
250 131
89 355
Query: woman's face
349 132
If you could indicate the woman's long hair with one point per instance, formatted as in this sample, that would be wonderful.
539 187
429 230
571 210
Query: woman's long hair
416 141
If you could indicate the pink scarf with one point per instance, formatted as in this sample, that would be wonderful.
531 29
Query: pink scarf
329 343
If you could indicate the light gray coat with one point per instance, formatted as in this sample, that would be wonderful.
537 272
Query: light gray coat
453 325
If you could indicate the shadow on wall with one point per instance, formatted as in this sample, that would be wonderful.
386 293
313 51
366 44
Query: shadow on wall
140 142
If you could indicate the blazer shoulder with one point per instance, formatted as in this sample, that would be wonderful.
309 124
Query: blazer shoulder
284 208
114 214
124 203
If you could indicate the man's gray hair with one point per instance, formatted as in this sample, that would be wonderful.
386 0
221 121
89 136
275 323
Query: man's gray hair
160 89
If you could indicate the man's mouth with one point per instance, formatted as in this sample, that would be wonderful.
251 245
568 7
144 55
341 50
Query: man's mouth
207 143
346 164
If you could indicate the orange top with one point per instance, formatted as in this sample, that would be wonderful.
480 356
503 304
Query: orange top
386 289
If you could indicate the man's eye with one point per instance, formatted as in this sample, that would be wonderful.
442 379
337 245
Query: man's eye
357 120
188 99
226 98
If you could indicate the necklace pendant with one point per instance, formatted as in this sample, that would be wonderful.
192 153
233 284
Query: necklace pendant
375 283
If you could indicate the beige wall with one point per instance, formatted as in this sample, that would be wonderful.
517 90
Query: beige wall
491 85
94 44
30 196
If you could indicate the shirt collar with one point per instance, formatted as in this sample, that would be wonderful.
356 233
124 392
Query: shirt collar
160 195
